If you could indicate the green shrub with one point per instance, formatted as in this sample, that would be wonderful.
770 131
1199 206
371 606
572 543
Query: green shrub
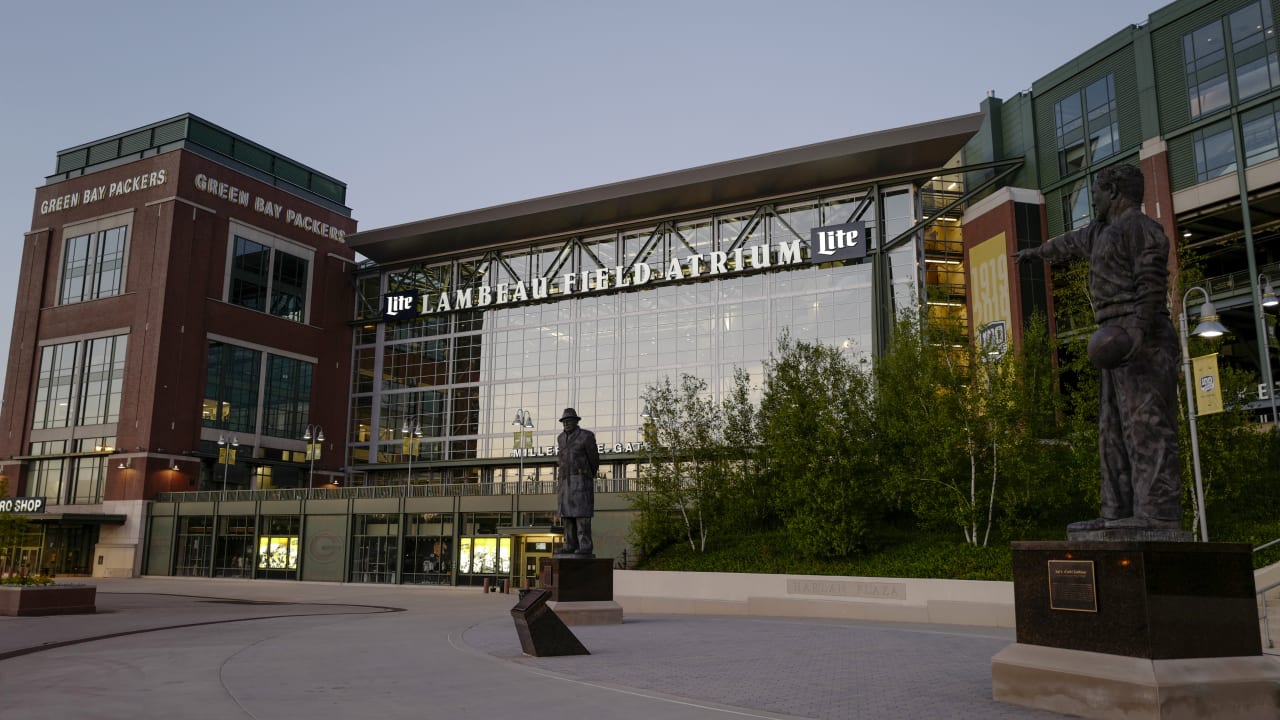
26 580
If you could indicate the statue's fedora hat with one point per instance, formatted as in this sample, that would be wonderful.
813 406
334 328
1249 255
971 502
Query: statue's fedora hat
569 414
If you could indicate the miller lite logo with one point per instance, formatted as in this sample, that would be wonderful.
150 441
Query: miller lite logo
400 305
838 242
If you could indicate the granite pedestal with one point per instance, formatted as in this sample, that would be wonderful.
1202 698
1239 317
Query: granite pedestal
581 590
1136 629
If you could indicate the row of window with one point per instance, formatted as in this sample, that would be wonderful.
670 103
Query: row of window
256 392
69 480
385 548
1230 59
266 274
80 383
1231 56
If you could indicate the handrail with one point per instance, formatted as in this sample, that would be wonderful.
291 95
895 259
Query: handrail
476 489
1264 546
1263 615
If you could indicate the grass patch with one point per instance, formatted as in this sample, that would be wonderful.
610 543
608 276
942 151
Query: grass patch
911 553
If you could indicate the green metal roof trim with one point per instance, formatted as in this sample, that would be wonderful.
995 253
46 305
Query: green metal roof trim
1081 63
197 134
1175 10
862 158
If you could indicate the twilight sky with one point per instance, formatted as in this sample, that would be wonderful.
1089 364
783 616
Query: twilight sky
428 108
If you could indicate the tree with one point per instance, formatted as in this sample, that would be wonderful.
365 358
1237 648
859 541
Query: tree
817 429
13 528
682 482
749 497
969 438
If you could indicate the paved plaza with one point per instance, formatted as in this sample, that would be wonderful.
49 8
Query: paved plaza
198 648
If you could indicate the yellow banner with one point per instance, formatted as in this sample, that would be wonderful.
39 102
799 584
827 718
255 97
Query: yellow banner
1207 386
313 451
989 290
226 456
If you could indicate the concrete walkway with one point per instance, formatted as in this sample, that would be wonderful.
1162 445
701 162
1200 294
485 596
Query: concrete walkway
198 648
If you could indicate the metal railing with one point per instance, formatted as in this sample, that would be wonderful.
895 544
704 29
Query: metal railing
1223 287
1263 614
1263 609
376 492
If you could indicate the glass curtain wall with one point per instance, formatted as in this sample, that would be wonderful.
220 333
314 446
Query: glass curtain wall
445 386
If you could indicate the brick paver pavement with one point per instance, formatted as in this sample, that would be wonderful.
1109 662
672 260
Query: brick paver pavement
199 648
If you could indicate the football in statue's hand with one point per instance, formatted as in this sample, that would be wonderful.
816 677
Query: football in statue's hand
1109 346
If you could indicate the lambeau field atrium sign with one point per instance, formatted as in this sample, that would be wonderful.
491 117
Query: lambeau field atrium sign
406 305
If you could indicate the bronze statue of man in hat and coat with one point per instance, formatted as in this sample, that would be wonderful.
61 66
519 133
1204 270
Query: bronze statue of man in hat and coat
579 459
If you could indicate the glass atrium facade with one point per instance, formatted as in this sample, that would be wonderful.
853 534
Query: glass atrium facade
433 397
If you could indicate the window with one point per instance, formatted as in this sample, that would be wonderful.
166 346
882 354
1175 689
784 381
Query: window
1076 205
287 406
1260 134
1204 53
1215 151
268 274
93 263
44 479
88 477
54 385
1087 126
1253 49
102 379
231 387
1251 69
233 376
88 374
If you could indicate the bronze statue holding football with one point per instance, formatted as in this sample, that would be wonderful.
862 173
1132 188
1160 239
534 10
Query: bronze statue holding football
1136 349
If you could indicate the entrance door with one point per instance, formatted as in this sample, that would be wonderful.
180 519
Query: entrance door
533 549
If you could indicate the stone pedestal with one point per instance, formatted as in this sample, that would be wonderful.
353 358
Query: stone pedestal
1095 685
581 590
1136 630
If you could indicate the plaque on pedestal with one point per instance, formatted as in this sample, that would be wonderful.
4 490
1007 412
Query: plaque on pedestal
1151 600
542 633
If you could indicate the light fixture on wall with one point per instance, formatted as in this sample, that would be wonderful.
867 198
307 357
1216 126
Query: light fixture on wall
125 463
173 465
411 442
313 451
227 456
1267 298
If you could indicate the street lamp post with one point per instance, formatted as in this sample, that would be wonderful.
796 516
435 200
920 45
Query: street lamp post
228 456
524 421
1267 298
313 451
1207 327
411 442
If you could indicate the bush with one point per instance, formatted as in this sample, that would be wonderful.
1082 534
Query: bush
26 580
914 555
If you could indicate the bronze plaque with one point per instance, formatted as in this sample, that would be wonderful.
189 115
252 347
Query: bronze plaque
1072 586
